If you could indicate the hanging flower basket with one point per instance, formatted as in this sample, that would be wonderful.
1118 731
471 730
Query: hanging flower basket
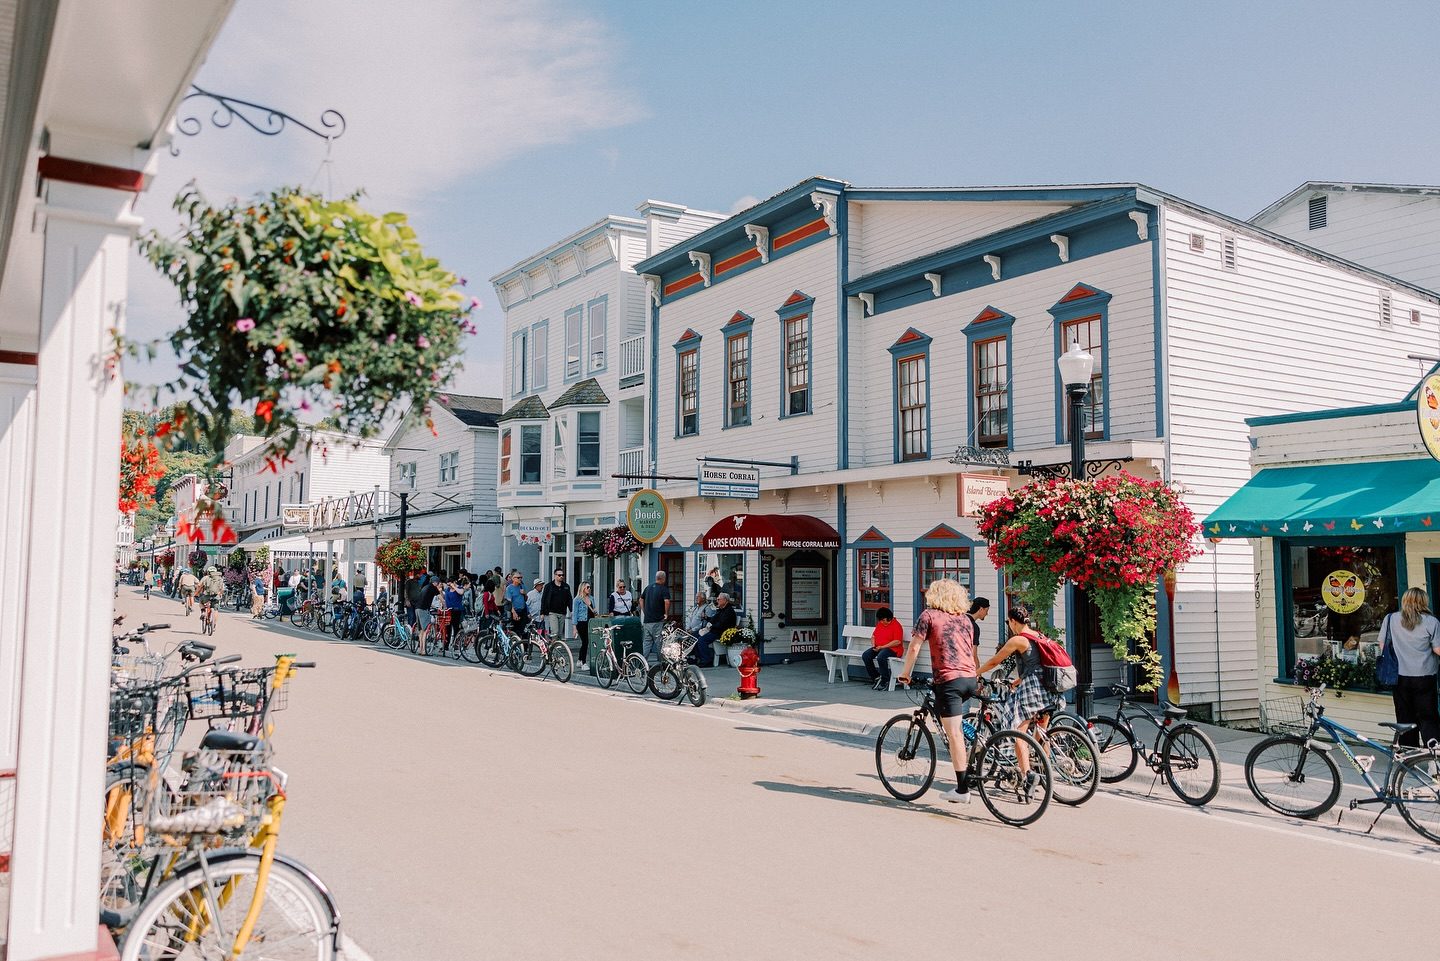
140 471
400 557
1116 537
165 559
611 542
299 304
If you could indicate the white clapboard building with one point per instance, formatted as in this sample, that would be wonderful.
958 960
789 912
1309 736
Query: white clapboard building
577 357
858 339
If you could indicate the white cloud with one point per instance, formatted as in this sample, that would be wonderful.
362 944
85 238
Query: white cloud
744 203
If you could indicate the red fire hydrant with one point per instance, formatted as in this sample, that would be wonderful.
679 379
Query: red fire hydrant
749 673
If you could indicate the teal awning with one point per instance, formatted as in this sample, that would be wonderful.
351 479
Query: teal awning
1367 498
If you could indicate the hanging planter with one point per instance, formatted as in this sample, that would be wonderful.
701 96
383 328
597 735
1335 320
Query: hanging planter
165 559
400 557
1116 537
611 542
301 307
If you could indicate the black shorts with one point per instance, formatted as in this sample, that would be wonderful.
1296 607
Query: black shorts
951 695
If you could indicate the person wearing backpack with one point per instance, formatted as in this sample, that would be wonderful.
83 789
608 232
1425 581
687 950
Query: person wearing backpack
1030 699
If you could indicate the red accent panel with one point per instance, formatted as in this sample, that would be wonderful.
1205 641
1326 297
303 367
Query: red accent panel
763 532
688 335
739 318
683 283
19 357
942 533
910 334
670 542
737 261
873 535
1078 292
795 298
989 313
93 175
799 234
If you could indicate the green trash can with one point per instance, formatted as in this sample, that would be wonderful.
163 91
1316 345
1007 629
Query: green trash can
627 629
285 597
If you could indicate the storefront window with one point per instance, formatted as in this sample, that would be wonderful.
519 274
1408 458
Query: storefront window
872 573
953 563
1338 596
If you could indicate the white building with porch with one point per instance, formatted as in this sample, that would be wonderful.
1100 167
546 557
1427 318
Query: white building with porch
575 389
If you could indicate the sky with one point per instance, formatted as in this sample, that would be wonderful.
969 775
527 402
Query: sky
501 126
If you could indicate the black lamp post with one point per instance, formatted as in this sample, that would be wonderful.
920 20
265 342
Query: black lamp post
1076 366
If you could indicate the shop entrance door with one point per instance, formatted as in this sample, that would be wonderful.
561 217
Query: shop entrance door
673 564
1432 582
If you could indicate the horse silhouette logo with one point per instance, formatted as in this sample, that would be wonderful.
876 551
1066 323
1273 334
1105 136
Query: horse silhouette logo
739 521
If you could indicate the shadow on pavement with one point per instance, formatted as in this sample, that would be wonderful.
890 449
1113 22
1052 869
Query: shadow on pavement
851 796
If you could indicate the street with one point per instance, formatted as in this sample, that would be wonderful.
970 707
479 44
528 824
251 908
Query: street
460 813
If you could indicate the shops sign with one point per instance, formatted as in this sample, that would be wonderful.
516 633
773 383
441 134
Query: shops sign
647 516
722 481
974 491
1427 404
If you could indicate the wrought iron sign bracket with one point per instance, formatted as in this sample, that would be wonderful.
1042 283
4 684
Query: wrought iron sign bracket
266 121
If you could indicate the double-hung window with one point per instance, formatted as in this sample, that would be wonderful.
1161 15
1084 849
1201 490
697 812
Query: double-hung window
587 443
407 475
689 372
559 426
574 321
504 457
1083 316
943 562
1086 331
530 441
797 364
517 363
539 354
595 355
450 467
992 392
737 370
911 355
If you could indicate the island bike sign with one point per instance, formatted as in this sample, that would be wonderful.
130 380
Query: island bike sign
647 516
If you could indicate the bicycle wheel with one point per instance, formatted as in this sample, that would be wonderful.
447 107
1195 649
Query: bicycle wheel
198 912
605 671
1189 761
528 658
470 646
637 672
665 682
692 682
490 653
1013 796
371 630
1118 756
1074 764
905 757
562 662
1417 788
1287 775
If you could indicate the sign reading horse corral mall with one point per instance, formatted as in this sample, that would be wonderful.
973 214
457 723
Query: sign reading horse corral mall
974 491
647 516
742 482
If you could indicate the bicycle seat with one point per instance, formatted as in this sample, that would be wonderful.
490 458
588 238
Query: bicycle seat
1399 728
1174 712
229 741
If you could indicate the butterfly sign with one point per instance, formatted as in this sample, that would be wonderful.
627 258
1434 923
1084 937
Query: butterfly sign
1343 591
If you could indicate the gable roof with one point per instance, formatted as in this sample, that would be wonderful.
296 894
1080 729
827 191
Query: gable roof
473 411
587 393
527 408
1326 186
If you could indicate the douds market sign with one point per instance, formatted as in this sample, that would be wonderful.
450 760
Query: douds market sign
647 516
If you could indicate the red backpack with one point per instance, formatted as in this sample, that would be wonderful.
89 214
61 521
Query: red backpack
1057 671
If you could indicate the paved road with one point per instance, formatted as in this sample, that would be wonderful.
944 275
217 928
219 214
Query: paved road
461 814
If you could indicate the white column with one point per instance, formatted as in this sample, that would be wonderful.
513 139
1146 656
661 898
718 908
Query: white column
17 432
55 869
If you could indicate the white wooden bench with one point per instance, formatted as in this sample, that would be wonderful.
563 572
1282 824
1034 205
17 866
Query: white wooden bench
855 641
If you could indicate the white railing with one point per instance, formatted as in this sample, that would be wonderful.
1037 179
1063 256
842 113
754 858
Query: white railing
631 462
632 357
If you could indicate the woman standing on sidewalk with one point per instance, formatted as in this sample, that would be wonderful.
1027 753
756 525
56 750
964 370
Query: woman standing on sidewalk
1414 636
582 610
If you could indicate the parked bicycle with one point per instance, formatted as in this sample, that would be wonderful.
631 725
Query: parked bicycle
1069 748
1180 752
905 759
627 665
673 675
1295 774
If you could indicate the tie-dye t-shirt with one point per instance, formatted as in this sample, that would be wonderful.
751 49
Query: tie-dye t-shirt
952 644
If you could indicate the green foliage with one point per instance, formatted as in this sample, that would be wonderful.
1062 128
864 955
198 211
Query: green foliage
238 558
296 304
1127 614
262 557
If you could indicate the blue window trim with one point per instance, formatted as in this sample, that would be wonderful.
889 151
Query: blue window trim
741 324
1096 303
604 301
881 543
996 323
912 343
536 332
683 346
518 342
786 313
578 313
926 542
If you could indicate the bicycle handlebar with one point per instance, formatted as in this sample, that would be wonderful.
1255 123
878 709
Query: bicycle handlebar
147 628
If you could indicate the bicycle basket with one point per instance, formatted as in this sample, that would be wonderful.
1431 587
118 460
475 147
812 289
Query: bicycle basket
137 668
223 796
1280 715
231 694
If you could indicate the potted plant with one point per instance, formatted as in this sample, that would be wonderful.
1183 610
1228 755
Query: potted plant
734 640
400 557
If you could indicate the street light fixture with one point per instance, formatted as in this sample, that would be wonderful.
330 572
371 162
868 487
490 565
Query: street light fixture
1076 367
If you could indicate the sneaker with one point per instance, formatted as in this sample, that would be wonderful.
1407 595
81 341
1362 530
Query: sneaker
1028 787
956 796
879 685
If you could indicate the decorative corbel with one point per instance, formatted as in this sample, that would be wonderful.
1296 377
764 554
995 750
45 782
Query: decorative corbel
879 488
578 253
613 239
784 495
1142 223
652 287
868 300
552 273
934 482
934 283
761 238
994 261
827 204
701 260
1062 244
527 282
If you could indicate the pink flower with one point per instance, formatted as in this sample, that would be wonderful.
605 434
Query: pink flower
300 359
390 339
422 342
413 297
245 324
475 303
